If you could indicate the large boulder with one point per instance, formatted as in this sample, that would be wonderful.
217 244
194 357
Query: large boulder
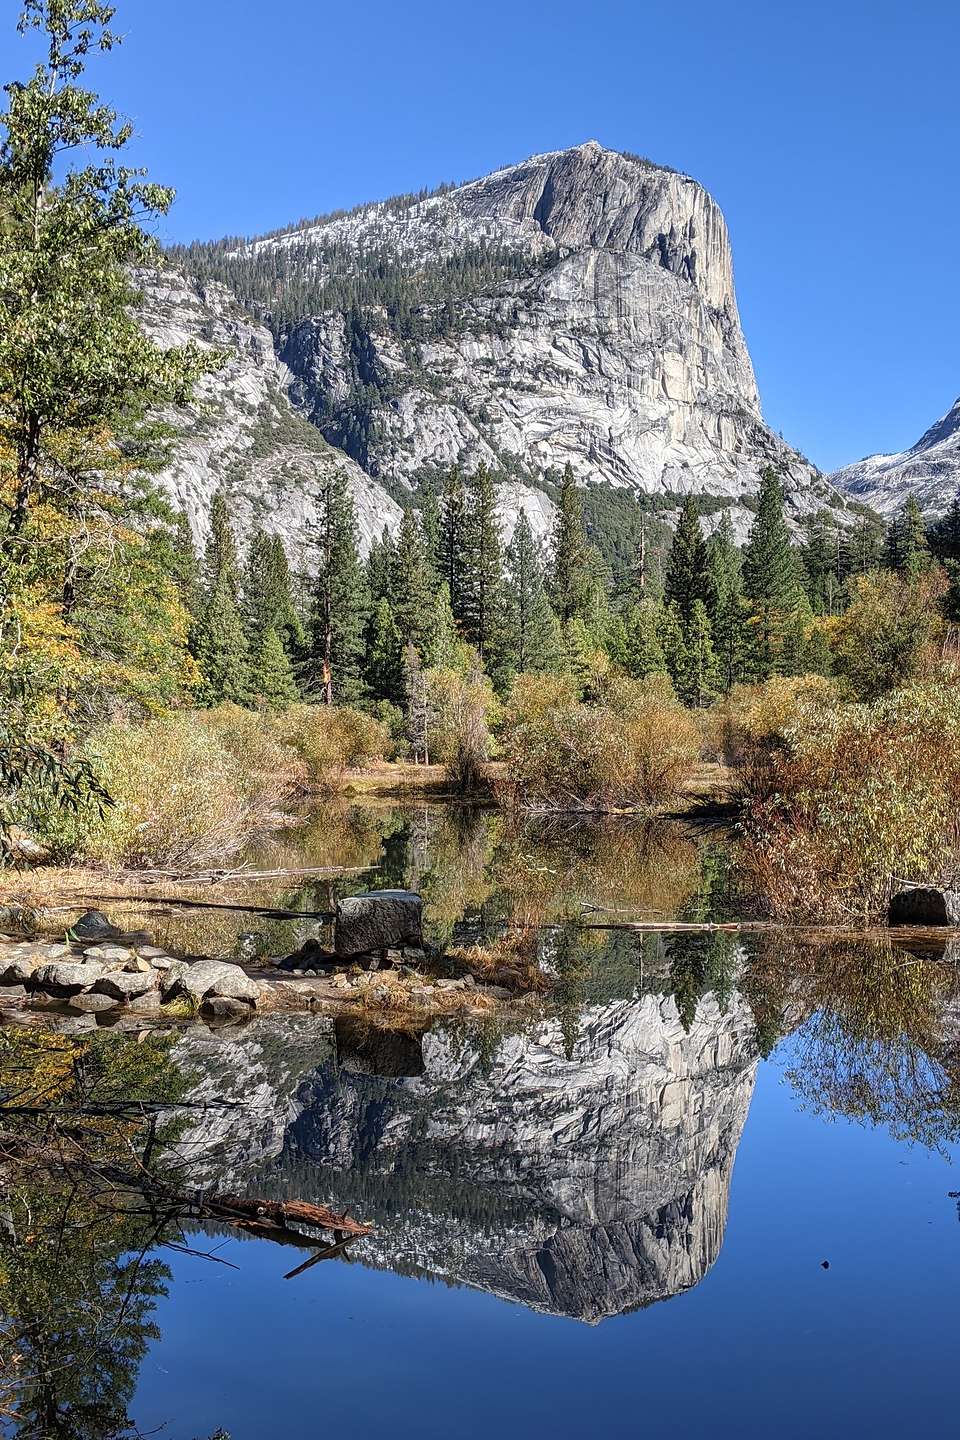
125 984
61 977
925 905
381 920
214 977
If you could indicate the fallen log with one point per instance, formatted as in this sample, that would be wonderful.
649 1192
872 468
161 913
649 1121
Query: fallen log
281 1213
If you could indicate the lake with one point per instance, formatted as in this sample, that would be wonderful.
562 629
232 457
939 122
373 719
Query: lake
706 1190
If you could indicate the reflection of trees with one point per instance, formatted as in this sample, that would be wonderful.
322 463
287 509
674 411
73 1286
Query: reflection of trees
77 1283
874 1045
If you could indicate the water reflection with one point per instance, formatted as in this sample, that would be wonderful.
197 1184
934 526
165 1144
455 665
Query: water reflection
478 872
575 1159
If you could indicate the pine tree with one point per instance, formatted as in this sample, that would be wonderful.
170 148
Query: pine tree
444 646
906 549
267 595
340 600
571 561
380 568
731 639
452 538
696 681
687 574
944 534
672 642
383 667
430 527
644 652
531 626
412 589
271 675
185 565
482 585
724 568
417 705
220 644
769 576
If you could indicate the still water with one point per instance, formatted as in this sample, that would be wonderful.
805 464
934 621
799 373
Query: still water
705 1191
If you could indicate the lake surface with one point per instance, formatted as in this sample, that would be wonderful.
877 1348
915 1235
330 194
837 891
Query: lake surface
705 1192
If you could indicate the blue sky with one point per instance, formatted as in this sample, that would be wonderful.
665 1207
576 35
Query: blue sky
828 132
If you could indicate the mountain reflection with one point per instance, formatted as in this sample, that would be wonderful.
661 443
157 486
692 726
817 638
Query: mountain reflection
579 1170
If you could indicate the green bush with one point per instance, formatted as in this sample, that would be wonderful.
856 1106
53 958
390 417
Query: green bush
332 739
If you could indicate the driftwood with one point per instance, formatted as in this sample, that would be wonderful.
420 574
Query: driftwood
280 1215
271 912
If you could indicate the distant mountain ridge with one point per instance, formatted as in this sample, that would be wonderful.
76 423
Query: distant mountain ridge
929 470
575 308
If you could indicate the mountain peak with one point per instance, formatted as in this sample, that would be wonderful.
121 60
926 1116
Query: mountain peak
929 470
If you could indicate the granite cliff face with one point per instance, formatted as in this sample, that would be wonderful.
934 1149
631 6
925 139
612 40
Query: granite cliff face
616 347
929 470
242 431
576 308
581 1172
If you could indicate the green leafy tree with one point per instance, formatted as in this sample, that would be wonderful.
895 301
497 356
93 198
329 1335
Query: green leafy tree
571 565
74 363
340 598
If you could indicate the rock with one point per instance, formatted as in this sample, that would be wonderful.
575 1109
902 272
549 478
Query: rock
216 977
93 1003
469 982
146 1003
925 905
223 1007
11 993
18 970
498 992
311 953
137 964
151 952
378 921
93 925
450 985
242 424
161 963
125 984
63 978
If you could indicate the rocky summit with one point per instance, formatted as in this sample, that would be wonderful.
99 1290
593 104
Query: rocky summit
576 308
929 470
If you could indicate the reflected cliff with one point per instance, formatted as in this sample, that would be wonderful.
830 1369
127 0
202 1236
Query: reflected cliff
578 1166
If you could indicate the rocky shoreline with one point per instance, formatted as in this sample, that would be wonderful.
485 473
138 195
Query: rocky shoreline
96 975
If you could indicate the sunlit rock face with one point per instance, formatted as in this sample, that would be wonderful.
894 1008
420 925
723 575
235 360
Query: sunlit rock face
929 471
619 350
580 1168
242 433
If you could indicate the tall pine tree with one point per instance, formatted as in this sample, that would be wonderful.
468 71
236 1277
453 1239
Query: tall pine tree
482 597
220 643
687 576
340 599
532 631
570 570
769 576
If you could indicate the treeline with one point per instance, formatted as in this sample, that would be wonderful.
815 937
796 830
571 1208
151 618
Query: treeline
446 593
418 296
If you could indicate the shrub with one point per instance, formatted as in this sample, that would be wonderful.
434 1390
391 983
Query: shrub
460 708
332 739
890 631
854 798
179 797
636 751
269 769
758 715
